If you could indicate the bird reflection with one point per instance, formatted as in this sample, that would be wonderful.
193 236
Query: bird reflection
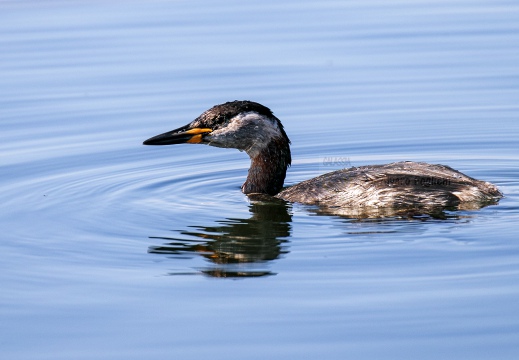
235 247
383 215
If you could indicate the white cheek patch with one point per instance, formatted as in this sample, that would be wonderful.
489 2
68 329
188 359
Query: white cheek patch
248 131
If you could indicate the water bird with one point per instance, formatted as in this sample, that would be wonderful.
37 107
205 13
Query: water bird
372 190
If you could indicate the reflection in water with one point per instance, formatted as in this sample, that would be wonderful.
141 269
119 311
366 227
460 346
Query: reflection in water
235 247
390 213
242 247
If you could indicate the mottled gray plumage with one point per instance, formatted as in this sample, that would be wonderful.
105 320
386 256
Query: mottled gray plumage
374 190
392 188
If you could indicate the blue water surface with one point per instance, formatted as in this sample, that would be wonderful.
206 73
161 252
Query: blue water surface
114 250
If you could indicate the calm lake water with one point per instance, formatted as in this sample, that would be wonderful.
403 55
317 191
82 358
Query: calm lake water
114 250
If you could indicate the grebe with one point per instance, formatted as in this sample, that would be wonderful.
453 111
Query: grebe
253 128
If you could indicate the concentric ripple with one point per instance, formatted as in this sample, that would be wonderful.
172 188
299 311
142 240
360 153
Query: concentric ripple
184 203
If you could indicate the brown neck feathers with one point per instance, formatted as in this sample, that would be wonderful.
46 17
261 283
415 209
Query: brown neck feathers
268 169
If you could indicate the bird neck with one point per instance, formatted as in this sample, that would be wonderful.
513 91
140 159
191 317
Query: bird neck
268 168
